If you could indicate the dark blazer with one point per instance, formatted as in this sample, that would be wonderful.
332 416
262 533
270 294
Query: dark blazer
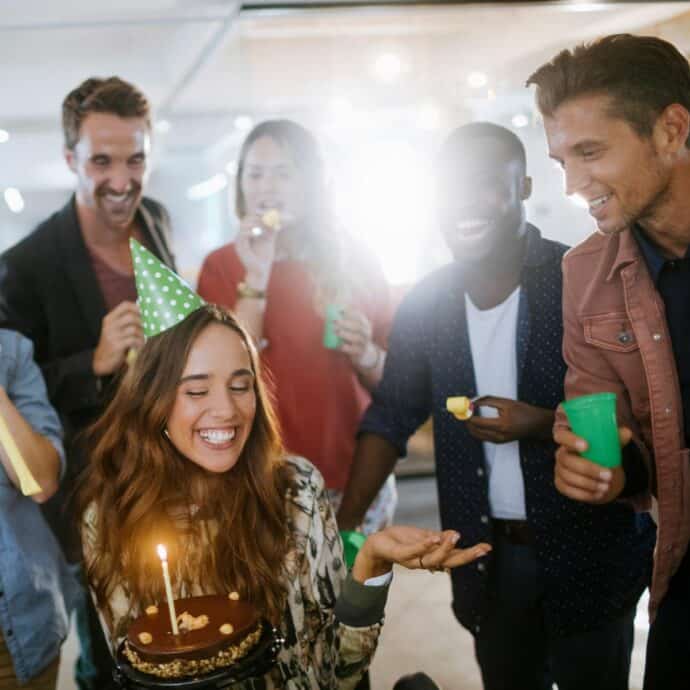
594 560
50 293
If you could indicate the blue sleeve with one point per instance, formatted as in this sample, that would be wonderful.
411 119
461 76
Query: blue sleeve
27 391
402 401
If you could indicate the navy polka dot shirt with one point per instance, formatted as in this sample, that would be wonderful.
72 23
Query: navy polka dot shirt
594 560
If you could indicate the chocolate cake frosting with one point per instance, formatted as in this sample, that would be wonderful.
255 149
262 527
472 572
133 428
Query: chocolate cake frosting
215 632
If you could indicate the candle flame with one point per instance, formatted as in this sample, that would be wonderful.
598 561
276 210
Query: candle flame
162 553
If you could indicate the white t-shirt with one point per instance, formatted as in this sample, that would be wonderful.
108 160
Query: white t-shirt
493 338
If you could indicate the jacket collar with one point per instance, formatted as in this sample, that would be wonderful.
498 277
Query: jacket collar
537 252
77 264
628 252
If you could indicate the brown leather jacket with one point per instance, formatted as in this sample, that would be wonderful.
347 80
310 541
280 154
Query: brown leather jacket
616 339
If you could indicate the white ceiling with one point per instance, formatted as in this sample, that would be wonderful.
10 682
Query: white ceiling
202 62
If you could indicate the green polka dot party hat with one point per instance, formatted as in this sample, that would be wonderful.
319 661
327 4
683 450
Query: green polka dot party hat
164 298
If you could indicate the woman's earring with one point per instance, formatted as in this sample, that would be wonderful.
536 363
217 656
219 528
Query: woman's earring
165 433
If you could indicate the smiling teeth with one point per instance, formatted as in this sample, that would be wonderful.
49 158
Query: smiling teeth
596 203
470 223
216 436
117 197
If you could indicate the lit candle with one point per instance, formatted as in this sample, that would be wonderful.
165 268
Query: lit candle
163 555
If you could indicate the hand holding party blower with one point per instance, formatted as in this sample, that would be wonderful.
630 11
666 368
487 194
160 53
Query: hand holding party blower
27 484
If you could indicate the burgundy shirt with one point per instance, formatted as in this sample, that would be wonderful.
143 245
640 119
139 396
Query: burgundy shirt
116 286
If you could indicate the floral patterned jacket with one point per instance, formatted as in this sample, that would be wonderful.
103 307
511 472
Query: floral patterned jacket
331 623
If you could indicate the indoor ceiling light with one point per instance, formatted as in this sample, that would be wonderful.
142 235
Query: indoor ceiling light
243 122
477 79
520 120
162 126
388 67
14 200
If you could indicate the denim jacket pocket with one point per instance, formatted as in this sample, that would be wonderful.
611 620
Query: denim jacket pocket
611 332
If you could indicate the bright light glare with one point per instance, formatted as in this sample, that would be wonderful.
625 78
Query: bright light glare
579 200
162 126
243 122
477 79
384 199
429 117
4 136
520 120
162 553
14 200
342 111
204 189
388 67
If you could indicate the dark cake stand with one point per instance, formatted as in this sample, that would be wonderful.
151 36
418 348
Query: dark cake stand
256 664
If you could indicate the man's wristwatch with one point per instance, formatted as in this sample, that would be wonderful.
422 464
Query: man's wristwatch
244 290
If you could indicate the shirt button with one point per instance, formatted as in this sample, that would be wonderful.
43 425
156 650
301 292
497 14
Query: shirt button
480 472
668 410
657 337
484 519
481 567
477 629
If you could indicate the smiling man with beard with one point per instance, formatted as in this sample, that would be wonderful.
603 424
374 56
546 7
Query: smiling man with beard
555 600
69 287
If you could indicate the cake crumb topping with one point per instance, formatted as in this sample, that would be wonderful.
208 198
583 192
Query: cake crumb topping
187 622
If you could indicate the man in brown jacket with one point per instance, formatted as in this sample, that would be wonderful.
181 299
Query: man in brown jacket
617 119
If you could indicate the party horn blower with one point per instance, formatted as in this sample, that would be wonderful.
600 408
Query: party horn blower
27 484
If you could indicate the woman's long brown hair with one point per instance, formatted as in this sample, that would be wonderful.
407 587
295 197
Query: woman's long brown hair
144 490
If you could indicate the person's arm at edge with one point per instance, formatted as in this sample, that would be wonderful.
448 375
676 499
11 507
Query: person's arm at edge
40 453
374 460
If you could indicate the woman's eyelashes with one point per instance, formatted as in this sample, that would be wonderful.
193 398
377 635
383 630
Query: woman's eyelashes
235 387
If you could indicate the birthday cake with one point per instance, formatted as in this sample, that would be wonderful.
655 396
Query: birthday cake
215 632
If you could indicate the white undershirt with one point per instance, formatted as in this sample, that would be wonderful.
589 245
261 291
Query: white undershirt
493 338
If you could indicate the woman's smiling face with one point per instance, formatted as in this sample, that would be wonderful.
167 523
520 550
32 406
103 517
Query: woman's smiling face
215 403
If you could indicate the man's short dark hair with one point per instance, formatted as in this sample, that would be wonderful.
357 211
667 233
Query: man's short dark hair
112 95
642 75
457 141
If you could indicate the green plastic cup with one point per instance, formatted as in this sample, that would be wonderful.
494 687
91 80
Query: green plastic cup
593 417
330 339
353 542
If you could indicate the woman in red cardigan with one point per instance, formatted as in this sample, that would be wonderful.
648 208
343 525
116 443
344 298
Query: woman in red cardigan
289 266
